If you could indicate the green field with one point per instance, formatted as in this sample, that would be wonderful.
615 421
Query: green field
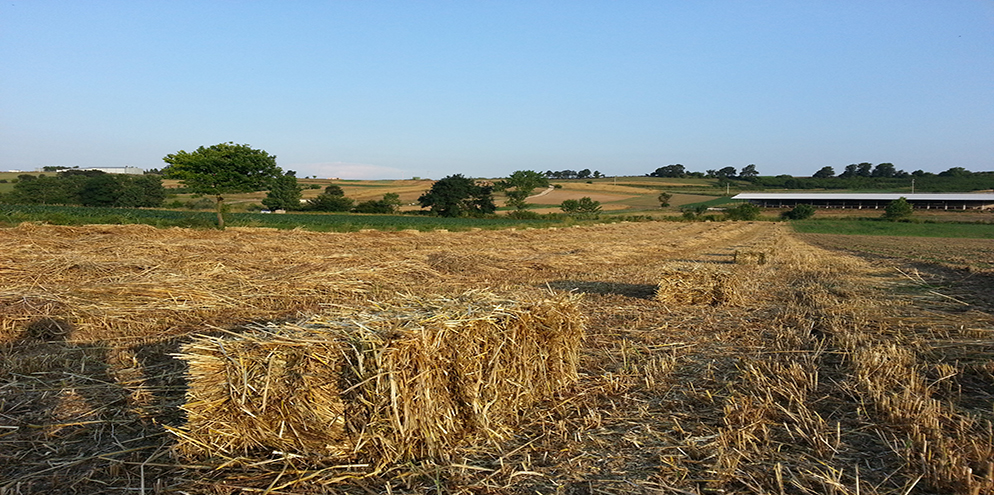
11 215
900 229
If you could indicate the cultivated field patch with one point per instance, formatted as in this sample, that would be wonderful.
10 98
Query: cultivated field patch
825 373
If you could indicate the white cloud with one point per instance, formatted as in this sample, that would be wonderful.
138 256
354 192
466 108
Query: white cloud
344 170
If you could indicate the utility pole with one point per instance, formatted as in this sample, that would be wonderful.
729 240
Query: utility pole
912 186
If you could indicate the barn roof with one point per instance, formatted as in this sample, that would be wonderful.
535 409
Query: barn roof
986 197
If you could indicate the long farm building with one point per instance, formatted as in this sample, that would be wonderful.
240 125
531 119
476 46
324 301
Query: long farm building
873 201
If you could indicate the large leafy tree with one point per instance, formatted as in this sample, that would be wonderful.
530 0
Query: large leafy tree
884 170
332 199
520 185
749 172
670 171
225 168
726 173
456 195
284 193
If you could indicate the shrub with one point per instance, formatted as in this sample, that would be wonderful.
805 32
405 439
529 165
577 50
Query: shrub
800 212
523 215
744 211
898 209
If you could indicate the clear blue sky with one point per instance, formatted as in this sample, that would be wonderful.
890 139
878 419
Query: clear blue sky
377 89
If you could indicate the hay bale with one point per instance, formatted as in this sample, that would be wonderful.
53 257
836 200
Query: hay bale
700 283
749 257
397 381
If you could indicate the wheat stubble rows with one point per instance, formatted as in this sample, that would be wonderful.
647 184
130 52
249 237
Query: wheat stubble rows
825 373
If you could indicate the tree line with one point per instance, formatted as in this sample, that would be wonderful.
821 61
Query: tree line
87 188
863 175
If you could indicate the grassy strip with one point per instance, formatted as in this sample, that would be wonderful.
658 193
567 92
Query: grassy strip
712 203
868 226
11 215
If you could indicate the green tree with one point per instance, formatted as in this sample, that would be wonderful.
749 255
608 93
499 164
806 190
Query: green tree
334 190
389 204
141 191
675 171
664 199
520 185
956 172
748 172
580 207
456 195
824 173
329 202
44 190
884 170
898 209
284 193
225 168
725 173
101 190
799 212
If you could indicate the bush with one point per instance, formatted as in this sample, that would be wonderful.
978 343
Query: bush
744 211
898 209
800 212
523 215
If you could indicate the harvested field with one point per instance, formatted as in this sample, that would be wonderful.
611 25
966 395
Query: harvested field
828 373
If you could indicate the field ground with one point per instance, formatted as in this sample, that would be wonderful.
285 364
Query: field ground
627 194
822 372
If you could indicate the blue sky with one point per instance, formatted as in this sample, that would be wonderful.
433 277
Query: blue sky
379 89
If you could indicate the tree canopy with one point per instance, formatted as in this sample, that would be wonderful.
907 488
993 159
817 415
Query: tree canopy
898 209
824 173
224 168
456 195
674 171
580 207
284 193
88 188
520 185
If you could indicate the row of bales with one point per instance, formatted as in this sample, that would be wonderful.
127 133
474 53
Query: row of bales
401 380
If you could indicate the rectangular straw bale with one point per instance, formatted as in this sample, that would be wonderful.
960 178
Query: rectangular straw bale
750 257
696 283
404 380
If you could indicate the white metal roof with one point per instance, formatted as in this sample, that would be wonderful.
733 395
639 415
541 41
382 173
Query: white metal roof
868 196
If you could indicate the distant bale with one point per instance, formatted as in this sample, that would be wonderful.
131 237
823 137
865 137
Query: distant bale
750 257
397 381
696 283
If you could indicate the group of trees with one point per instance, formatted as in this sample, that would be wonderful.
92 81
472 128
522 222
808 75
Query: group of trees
573 174
885 170
229 168
678 171
87 188
854 176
